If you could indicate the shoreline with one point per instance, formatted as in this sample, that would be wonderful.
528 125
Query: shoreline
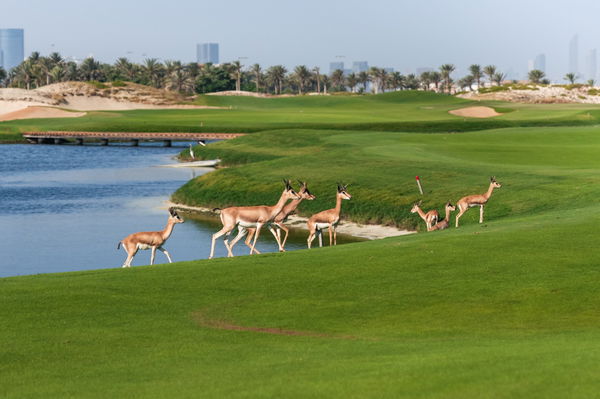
367 231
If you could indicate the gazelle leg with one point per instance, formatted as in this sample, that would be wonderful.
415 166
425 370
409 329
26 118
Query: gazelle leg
334 236
218 234
276 234
311 237
287 230
460 213
258 227
249 240
241 233
164 251
320 233
128 259
330 235
481 214
152 255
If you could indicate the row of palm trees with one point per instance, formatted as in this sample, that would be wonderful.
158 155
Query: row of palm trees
37 70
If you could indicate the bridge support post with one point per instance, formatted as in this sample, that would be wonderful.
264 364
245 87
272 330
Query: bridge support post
167 143
40 140
79 141
103 141
57 141
135 142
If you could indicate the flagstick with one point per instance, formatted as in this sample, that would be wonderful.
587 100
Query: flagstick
419 184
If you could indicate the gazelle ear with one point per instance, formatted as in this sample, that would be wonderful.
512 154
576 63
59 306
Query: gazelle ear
493 178
172 211
420 202
339 188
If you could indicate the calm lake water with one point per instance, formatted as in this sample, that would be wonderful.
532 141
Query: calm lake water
65 208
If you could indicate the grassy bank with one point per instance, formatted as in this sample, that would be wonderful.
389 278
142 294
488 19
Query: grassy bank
509 308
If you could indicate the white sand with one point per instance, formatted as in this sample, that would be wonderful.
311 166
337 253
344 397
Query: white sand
475 112
32 112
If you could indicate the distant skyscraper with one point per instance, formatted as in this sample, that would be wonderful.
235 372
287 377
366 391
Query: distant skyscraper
336 65
592 68
11 47
540 62
574 55
360 66
207 53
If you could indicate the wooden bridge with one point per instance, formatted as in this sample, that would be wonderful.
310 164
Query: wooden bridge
135 137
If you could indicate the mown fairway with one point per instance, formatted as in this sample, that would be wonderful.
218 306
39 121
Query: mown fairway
510 308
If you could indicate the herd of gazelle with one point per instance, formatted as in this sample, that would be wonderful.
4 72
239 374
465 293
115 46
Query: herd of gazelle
250 220
470 201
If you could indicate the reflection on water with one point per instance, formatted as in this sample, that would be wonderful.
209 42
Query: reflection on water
65 208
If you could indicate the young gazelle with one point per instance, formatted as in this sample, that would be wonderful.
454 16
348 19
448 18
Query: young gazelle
250 216
444 223
430 217
149 240
282 217
327 219
479 200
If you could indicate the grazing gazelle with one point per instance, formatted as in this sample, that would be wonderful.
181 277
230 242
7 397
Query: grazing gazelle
430 217
250 216
282 217
445 222
479 200
149 240
327 219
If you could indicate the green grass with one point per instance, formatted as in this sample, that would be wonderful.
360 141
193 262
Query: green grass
506 309
400 112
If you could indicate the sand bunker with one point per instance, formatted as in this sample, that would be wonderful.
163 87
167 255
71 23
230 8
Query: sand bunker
475 112
39 112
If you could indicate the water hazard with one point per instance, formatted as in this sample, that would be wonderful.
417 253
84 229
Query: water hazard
65 208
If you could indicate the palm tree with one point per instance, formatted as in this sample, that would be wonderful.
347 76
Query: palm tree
379 76
591 82
498 77
3 75
179 79
154 71
258 75
235 69
89 68
57 74
45 65
467 81
490 70
276 74
476 73
425 79
397 81
411 82
352 81
436 79
571 77
56 59
302 76
317 72
363 79
326 83
536 76
445 71
337 79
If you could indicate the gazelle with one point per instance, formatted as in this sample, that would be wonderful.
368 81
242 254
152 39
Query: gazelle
327 219
444 223
430 217
149 240
479 200
250 216
282 217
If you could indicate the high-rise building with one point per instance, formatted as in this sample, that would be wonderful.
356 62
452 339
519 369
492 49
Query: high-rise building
207 53
574 55
591 64
539 62
336 65
12 48
360 66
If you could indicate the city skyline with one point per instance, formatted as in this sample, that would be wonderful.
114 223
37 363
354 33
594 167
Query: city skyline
460 35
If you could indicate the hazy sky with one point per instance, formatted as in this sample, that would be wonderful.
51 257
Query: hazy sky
401 34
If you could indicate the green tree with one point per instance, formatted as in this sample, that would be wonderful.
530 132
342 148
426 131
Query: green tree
397 81
571 77
425 79
302 76
476 73
276 76
212 79
337 80
490 70
154 71
536 76
498 77
352 81
317 75
257 74
436 79
364 79
235 69
89 69
3 76
445 71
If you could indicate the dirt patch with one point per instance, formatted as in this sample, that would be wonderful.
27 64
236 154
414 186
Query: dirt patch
475 112
32 112
201 318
